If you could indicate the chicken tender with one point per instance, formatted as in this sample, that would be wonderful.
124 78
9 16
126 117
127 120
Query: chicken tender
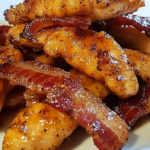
94 53
98 88
13 37
96 9
140 63
46 59
10 54
38 127
31 97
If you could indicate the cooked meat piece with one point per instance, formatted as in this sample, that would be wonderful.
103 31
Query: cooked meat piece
67 95
140 63
96 9
38 127
94 53
13 37
10 54
98 88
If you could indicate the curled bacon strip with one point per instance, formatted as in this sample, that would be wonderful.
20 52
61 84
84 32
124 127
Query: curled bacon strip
135 107
142 24
32 28
109 131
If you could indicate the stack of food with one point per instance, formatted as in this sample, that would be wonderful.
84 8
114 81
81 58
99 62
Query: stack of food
61 59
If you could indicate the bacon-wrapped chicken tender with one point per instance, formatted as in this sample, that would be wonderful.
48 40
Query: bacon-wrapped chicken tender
67 95
94 53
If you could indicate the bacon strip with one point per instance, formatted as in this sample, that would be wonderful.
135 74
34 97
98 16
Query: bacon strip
135 107
36 25
67 95
140 63
142 24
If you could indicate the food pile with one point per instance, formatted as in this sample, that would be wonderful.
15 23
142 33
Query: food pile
66 61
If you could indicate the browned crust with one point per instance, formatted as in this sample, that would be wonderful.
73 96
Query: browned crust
31 9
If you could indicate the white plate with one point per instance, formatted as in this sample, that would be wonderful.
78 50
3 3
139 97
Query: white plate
139 138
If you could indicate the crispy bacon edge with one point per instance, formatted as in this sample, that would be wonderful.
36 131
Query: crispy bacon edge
67 95
133 108
80 22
